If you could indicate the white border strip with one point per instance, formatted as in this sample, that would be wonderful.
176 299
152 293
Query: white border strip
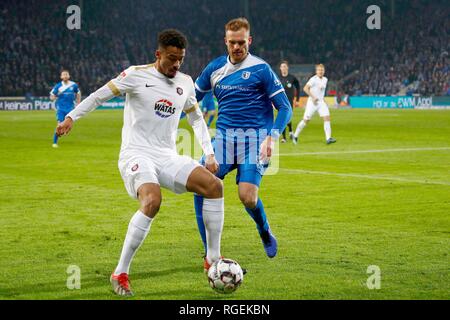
362 176
362 151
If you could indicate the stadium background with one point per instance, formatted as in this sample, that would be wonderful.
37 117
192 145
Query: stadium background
380 196
409 55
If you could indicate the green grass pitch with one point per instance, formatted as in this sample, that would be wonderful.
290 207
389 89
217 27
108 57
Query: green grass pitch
379 196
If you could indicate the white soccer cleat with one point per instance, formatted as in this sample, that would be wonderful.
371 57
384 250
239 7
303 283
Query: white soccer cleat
55 145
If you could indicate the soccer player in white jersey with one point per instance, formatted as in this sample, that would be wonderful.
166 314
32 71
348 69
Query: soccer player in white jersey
315 89
156 94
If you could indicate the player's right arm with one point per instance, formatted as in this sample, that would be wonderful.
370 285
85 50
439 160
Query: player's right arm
124 83
307 90
203 82
198 124
54 93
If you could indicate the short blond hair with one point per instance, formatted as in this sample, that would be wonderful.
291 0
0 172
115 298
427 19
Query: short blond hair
320 65
237 24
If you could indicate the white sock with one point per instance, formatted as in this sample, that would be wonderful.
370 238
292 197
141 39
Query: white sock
138 229
213 215
327 128
300 127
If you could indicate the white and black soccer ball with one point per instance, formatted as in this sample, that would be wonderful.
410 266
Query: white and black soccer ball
225 276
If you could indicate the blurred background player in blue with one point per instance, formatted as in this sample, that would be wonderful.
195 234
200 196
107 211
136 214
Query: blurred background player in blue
65 93
208 108
246 88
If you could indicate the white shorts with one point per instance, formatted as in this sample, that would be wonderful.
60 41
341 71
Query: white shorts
311 108
170 171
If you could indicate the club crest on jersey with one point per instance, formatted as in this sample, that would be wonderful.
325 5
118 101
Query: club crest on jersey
164 109
135 167
180 91
246 75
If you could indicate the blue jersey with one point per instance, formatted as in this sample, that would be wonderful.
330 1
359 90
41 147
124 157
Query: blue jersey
244 92
66 94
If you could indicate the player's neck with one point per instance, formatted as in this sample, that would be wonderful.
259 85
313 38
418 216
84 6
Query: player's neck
237 62
65 81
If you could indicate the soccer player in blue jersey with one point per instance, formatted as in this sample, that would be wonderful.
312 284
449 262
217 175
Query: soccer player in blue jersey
246 89
208 107
65 93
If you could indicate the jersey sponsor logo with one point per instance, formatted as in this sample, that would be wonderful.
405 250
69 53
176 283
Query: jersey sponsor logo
164 108
180 91
235 87
135 167
246 75
277 82
150 85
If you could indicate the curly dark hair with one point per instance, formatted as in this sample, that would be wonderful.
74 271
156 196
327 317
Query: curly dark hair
172 37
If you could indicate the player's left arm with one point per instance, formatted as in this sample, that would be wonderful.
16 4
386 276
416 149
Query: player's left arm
78 97
198 124
296 85
54 94
274 89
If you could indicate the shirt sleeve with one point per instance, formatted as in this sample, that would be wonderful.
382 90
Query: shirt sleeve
310 82
272 84
191 101
76 89
203 82
296 84
125 82
54 90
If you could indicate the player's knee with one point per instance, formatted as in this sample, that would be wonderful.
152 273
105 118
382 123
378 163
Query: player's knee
214 188
150 205
248 199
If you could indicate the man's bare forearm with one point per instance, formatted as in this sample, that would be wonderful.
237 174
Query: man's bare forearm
308 92
90 103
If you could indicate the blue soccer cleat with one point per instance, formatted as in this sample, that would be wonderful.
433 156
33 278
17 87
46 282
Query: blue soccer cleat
270 243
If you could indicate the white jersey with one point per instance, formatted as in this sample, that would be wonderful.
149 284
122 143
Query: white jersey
317 87
153 106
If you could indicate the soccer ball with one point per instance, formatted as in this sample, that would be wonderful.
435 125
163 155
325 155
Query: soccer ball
225 276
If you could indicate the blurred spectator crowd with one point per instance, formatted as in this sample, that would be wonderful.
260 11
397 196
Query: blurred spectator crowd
409 53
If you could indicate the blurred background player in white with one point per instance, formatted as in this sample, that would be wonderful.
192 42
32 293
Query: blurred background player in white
315 88
65 93
291 86
156 94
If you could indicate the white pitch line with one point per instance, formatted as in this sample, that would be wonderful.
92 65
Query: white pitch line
363 176
362 151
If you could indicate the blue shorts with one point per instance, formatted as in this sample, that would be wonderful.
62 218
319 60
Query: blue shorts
61 115
241 156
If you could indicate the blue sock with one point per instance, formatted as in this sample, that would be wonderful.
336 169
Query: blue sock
55 138
259 216
198 204
210 120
